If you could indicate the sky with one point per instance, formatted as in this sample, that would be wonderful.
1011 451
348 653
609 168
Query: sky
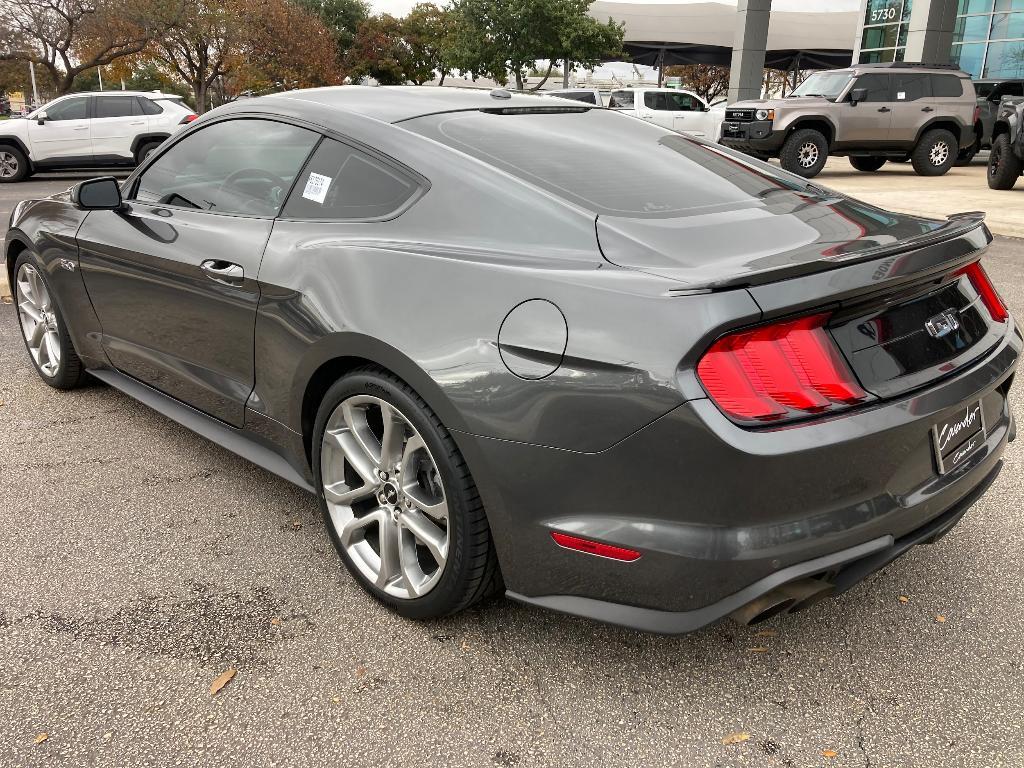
401 7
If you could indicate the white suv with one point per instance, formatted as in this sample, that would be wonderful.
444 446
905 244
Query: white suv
89 130
671 108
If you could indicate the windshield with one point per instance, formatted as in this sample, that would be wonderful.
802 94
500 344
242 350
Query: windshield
633 169
827 84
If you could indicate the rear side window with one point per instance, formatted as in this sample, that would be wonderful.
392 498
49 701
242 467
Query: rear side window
877 87
342 182
116 106
947 86
911 86
621 100
148 106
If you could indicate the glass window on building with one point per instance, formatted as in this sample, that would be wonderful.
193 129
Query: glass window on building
1005 60
970 57
885 30
1010 5
988 39
975 6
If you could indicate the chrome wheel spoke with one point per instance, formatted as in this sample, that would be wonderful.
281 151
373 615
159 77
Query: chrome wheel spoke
38 320
397 512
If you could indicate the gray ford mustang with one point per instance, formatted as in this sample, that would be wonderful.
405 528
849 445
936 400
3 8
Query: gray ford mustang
547 348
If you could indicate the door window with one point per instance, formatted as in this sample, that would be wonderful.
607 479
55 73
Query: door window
237 166
671 102
69 109
621 100
877 87
342 182
116 106
911 86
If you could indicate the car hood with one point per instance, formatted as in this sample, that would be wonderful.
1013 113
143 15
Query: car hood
781 233
803 102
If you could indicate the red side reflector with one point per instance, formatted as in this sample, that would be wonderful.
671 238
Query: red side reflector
779 372
989 295
566 541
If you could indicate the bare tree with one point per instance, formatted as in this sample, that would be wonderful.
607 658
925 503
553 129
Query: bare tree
68 37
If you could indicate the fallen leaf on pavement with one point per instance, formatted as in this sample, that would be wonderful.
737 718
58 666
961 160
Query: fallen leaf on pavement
276 621
829 753
761 649
941 619
296 524
736 738
41 737
904 599
222 679
360 671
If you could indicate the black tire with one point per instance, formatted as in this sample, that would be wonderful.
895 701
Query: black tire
14 166
867 164
70 373
804 153
966 156
935 153
1004 167
471 571
144 151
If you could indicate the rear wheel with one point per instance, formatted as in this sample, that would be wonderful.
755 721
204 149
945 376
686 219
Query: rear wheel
13 164
145 151
804 153
967 155
1004 167
867 164
935 154
399 502
46 336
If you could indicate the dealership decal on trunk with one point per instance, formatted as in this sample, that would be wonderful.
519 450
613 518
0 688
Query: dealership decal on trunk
958 437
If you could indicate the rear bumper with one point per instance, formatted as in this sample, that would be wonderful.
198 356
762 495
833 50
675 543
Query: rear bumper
722 514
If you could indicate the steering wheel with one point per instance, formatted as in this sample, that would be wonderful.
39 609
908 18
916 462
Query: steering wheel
254 173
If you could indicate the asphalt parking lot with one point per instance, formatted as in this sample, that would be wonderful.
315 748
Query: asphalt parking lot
140 562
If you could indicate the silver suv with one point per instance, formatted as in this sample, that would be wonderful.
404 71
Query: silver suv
870 113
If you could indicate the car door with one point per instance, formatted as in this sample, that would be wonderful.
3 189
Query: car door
689 114
867 123
655 109
64 136
173 276
914 104
116 121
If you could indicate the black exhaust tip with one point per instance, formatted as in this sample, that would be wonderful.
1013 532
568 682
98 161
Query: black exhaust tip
763 608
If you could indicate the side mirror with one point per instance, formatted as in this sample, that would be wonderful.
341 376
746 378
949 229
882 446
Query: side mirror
102 194
858 94
41 117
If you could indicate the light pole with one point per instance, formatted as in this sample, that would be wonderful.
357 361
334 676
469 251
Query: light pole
35 91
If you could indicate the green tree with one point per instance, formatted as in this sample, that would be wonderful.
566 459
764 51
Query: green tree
379 51
427 33
706 80
341 17
499 38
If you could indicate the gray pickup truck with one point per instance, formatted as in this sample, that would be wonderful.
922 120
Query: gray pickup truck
1006 161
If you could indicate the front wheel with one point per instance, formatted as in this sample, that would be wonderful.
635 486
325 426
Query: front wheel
42 326
398 499
1004 167
13 165
867 164
804 153
935 154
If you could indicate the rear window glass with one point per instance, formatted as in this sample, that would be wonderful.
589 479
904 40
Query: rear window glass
341 182
621 99
947 86
633 169
585 96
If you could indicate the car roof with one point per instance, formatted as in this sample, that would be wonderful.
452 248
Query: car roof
394 103
148 94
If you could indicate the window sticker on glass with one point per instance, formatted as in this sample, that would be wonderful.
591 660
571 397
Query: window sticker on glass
901 96
316 188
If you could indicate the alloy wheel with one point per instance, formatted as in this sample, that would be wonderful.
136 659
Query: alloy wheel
8 165
385 497
939 153
38 320
808 155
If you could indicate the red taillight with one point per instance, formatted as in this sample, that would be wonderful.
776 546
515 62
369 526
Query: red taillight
977 114
594 547
989 295
188 119
779 372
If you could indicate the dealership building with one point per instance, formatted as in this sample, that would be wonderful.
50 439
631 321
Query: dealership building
984 37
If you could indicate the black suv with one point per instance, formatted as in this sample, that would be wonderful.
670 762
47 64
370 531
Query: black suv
1006 161
990 95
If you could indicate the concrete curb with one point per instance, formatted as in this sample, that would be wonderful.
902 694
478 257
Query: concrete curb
5 289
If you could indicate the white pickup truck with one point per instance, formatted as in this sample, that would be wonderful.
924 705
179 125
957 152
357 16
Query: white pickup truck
672 108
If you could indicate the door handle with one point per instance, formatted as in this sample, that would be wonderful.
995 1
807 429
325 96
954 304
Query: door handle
884 109
927 109
223 271
138 122
81 128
